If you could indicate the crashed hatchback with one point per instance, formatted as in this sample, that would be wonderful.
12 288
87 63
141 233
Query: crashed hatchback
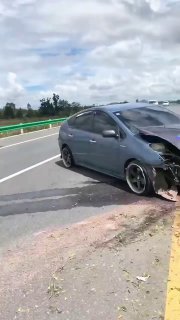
139 143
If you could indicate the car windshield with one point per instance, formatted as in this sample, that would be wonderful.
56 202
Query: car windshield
147 117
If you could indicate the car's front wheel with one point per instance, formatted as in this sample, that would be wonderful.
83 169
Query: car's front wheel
67 157
137 179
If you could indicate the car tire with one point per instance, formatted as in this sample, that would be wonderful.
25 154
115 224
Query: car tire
138 179
67 157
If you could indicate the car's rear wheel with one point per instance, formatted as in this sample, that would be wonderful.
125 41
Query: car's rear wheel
137 179
67 157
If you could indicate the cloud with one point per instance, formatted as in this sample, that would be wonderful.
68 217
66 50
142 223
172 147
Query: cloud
92 51
13 90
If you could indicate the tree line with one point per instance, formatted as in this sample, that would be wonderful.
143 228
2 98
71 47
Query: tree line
49 107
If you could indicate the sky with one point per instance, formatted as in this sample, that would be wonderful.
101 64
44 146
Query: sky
89 51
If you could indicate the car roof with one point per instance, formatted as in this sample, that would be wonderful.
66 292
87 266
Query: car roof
121 106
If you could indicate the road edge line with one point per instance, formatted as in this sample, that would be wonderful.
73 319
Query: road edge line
26 133
30 140
29 168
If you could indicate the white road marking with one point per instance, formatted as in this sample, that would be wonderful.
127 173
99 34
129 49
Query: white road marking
22 142
26 133
29 168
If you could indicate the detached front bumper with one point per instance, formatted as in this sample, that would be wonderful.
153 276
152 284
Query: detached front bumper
166 179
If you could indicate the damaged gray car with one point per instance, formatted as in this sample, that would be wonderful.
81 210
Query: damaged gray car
139 143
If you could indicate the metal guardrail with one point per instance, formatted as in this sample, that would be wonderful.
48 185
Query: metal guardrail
26 125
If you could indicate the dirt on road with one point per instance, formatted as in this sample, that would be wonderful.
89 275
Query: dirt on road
109 267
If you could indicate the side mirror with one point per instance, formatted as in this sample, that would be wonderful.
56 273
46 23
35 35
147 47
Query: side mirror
110 134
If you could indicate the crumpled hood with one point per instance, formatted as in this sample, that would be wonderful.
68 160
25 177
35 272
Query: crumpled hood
170 134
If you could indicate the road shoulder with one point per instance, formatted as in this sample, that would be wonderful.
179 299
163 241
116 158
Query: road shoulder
89 270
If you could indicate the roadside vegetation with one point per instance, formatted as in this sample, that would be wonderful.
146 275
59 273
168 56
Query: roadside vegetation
49 108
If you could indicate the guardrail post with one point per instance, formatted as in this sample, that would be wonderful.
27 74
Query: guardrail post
22 131
50 125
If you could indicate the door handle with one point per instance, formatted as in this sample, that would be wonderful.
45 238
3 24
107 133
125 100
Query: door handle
70 135
92 141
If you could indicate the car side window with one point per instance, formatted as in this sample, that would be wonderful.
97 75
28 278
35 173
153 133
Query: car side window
103 121
83 121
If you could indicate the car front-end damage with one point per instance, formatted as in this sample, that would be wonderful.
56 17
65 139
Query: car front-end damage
165 178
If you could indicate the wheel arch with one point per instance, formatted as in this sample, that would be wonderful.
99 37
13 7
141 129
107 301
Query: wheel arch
64 145
129 161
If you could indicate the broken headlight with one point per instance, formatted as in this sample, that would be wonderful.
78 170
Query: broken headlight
159 147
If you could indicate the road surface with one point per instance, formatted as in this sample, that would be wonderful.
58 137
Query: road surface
37 193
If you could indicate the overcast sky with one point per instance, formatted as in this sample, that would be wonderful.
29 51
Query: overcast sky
89 51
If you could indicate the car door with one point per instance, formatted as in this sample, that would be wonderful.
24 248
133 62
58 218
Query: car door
80 135
105 151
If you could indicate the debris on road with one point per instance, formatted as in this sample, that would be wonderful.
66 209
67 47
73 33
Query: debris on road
170 194
54 309
54 289
144 278
123 308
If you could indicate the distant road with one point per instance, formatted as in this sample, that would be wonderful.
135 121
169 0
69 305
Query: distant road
175 108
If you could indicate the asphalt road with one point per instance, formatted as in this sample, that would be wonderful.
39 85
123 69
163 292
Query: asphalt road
48 195
36 192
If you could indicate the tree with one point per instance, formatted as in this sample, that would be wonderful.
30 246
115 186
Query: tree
64 107
19 113
11 104
9 110
55 99
75 107
57 107
30 112
54 106
46 108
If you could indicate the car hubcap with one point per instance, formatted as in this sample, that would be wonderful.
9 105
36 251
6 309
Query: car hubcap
135 178
67 158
